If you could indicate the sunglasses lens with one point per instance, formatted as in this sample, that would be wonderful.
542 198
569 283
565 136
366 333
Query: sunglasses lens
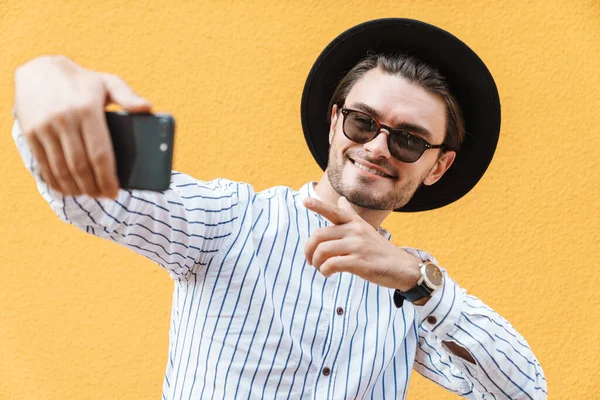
406 147
360 128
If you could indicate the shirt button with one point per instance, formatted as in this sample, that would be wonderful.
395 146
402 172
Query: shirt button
339 311
326 371
432 320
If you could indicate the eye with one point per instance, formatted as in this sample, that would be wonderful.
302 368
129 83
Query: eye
365 123
409 140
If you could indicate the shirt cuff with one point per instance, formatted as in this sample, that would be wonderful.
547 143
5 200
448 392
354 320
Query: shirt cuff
442 311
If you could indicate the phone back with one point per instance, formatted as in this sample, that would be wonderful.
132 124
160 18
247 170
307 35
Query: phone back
143 146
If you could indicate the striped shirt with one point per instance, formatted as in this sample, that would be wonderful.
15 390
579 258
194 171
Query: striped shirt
251 319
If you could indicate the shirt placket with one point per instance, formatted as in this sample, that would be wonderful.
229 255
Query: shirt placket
338 324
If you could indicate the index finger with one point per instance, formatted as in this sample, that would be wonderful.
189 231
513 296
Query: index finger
98 145
332 212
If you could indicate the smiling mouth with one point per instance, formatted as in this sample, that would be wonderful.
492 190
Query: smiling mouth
371 170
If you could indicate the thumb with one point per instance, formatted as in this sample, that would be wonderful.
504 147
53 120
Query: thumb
118 92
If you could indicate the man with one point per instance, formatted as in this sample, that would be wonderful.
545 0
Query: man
301 294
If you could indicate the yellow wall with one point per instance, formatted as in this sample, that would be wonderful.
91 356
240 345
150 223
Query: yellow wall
83 318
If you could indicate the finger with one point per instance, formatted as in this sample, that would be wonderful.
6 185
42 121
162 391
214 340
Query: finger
56 160
332 212
42 161
344 204
345 263
77 160
329 249
321 235
120 93
98 146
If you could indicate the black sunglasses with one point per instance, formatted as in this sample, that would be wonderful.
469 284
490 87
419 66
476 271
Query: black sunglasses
404 146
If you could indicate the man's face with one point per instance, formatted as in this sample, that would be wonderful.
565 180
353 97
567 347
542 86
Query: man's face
394 101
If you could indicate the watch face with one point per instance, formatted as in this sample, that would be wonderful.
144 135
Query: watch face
434 275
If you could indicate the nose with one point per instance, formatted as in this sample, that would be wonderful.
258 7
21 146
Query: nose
378 147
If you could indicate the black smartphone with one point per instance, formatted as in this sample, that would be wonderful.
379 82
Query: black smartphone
143 146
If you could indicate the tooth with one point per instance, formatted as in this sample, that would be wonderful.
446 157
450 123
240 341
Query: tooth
368 169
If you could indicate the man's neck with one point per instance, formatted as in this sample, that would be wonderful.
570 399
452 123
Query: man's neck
328 194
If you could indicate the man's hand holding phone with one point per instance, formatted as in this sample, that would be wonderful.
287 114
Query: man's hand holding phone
60 108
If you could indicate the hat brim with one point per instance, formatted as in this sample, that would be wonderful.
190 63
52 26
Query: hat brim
469 79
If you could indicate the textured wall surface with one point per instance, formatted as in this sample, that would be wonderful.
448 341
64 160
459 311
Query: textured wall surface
83 318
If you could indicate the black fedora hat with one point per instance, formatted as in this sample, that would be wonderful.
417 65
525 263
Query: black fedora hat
469 79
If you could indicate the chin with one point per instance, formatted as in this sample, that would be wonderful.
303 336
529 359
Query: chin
367 193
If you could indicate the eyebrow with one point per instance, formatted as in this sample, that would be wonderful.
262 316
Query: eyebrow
413 128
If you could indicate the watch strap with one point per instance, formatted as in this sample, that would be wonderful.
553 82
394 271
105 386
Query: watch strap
417 293
414 294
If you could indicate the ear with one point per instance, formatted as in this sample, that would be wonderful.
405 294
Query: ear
440 167
334 120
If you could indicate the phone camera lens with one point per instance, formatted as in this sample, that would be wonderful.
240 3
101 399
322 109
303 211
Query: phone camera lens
164 127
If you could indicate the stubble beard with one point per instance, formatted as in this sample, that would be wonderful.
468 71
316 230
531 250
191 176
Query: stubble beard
362 193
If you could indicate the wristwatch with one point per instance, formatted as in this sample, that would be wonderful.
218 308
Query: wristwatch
431 280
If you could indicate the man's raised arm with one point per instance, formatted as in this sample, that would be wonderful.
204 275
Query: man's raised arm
468 348
64 141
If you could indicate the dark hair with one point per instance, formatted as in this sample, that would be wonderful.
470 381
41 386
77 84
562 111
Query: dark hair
415 71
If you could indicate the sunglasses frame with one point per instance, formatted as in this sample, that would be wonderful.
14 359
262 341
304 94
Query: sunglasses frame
400 132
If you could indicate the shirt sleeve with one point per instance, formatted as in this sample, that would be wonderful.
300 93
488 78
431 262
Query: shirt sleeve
505 366
181 229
